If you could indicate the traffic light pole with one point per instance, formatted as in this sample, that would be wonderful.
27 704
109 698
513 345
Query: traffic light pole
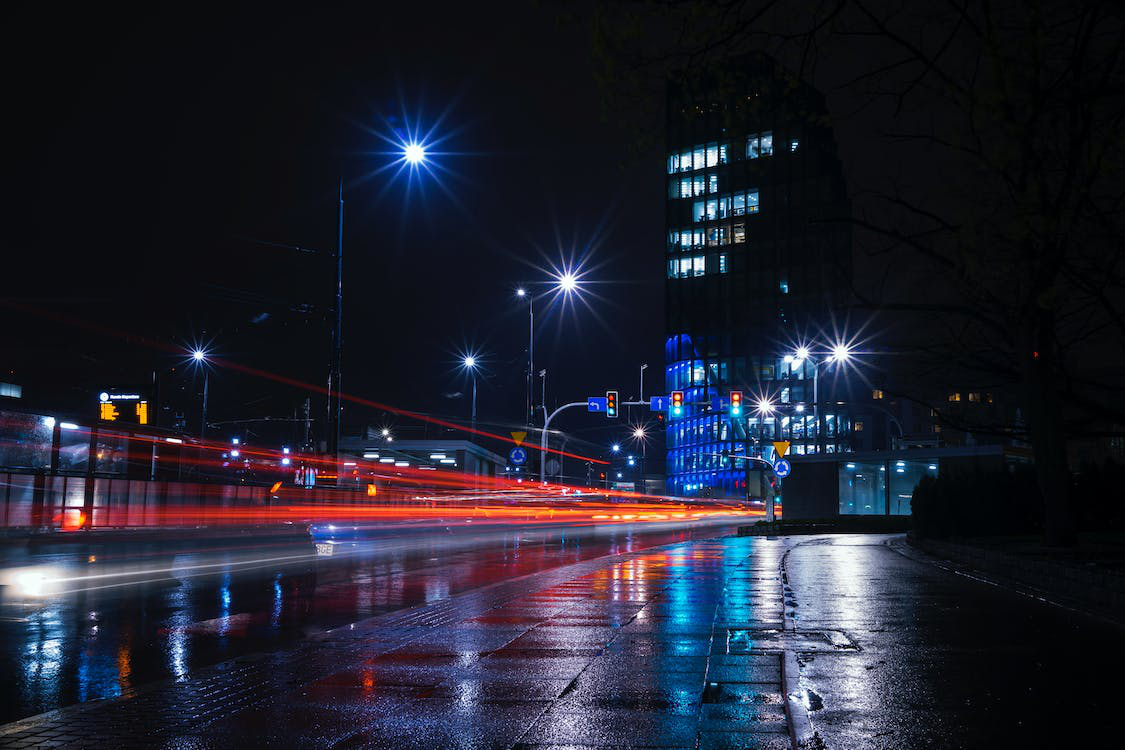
543 437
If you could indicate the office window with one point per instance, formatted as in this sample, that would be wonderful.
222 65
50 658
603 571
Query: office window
974 397
793 144
712 209
738 233
954 397
723 153
858 427
784 285
712 183
713 236
685 161
724 207
752 202
712 154
752 147
724 234
673 163
877 394
766 147
698 158
699 211
722 263
698 185
698 265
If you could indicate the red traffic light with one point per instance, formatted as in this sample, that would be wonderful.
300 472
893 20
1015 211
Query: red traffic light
611 403
677 403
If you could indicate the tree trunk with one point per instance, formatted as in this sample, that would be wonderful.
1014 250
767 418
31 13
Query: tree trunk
1044 421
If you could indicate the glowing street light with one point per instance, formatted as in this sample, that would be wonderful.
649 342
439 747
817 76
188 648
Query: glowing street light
764 406
567 282
639 433
414 153
199 355
841 352
616 448
521 292
199 358
470 364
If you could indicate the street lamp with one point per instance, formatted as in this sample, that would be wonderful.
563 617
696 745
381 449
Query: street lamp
840 353
565 282
470 364
616 448
199 357
414 153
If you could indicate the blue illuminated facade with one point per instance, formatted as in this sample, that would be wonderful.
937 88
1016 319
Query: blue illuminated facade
758 260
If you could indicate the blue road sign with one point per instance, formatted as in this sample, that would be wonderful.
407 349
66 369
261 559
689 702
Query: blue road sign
718 403
517 456
659 403
782 468
596 403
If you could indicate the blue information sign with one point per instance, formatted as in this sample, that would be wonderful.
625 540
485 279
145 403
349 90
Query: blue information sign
659 403
517 456
718 403
782 468
596 403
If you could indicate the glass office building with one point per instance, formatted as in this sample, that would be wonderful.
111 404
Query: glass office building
758 261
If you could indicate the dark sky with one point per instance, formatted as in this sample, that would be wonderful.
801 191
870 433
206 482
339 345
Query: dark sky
141 148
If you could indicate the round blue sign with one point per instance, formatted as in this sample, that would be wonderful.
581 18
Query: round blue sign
782 468
517 456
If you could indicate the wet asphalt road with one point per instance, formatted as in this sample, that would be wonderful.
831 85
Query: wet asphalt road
138 614
676 646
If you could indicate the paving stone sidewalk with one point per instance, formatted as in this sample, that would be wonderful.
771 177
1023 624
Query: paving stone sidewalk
676 646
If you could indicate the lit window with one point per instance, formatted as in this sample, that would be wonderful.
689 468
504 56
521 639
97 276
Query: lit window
752 147
784 286
697 264
752 202
673 163
685 161
724 207
988 398
766 147
738 204
712 183
698 157
722 153
954 397
877 394
699 211
937 428
793 144
859 426
712 209
724 234
685 187
739 233
723 263
712 154
974 397
698 185
673 239
713 236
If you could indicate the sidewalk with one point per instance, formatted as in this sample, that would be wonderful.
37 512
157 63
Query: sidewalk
679 646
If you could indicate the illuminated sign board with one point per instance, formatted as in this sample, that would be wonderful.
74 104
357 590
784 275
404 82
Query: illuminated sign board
126 407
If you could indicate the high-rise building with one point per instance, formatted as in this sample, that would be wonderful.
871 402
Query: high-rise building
758 264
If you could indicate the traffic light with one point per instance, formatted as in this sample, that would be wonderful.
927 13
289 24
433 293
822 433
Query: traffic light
611 404
677 403
735 403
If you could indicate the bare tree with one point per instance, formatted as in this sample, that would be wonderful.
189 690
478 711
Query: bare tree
983 145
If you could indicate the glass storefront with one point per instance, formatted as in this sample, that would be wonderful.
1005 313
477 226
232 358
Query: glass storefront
881 488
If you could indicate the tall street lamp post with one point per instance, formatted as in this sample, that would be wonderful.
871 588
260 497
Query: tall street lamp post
470 364
200 358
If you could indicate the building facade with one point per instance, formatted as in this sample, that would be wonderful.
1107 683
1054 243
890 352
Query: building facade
758 262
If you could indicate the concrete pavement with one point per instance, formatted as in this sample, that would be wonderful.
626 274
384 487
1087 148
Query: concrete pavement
847 641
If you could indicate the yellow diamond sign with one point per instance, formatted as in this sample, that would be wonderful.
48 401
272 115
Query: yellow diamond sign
782 448
518 437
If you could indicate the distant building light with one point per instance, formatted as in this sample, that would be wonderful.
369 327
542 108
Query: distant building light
177 441
370 455
386 460
349 463
449 460
402 463
437 456
11 390
932 467
68 425
235 441
850 466
234 454
285 462
49 422
285 450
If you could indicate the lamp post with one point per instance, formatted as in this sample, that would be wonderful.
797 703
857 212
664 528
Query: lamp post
470 364
839 354
642 396
200 358
414 154
565 282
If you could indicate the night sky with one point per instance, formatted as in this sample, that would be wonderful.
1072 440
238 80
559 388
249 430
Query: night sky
146 152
